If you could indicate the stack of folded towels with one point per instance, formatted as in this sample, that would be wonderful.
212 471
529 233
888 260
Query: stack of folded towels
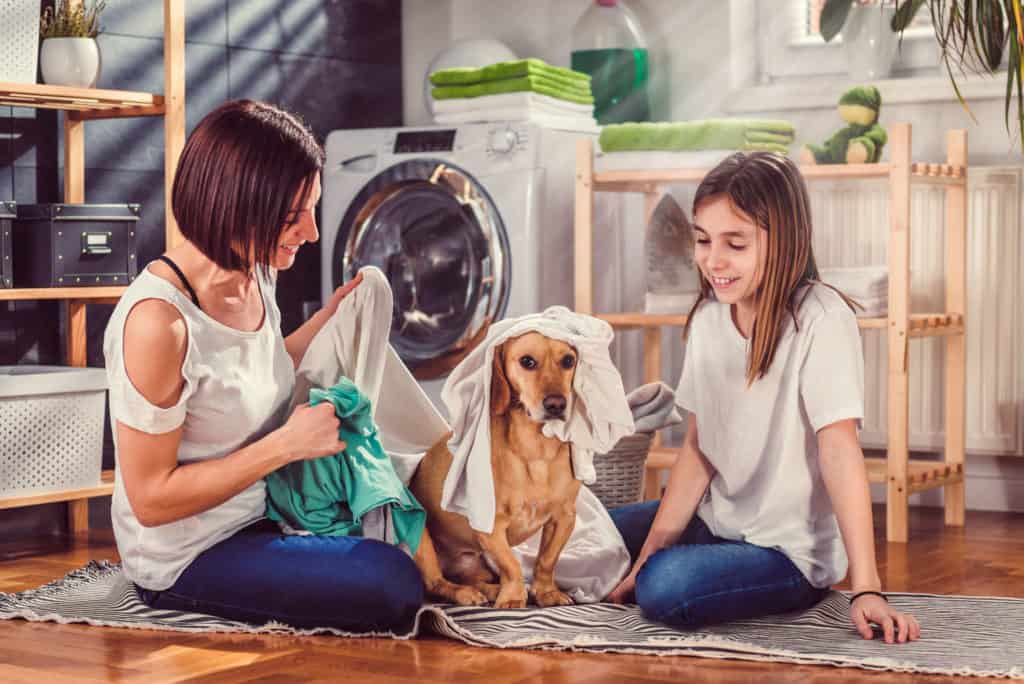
866 285
769 135
518 90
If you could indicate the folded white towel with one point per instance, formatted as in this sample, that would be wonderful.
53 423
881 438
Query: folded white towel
600 414
858 281
873 306
532 101
572 122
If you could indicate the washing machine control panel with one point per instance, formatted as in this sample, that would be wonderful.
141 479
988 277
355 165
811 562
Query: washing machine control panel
506 140
430 140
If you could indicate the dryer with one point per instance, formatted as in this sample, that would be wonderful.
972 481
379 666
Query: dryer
470 224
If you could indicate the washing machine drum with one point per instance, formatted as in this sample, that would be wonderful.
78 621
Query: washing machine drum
438 237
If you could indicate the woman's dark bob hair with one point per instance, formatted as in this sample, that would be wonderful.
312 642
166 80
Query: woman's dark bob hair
238 179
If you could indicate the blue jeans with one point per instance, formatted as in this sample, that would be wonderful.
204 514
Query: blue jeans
349 583
705 579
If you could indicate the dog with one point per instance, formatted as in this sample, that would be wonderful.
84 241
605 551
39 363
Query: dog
534 485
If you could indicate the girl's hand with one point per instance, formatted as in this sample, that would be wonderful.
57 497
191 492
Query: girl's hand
625 592
312 432
341 293
871 608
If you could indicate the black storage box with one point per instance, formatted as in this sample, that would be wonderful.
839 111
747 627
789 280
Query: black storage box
74 245
7 213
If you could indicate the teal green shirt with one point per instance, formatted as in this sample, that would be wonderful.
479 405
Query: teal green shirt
330 495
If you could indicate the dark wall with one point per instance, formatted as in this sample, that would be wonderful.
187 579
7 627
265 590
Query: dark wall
336 63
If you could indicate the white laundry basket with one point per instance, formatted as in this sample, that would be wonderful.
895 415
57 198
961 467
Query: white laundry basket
51 419
19 40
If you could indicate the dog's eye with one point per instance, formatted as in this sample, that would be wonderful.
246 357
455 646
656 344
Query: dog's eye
528 362
568 361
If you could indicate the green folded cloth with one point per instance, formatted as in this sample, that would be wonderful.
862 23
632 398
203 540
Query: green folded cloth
711 134
512 69
536 84
331 495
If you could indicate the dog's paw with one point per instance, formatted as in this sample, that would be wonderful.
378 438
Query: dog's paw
490 590
553 597
511 596
468 596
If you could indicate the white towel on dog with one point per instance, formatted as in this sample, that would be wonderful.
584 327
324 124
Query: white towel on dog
354 344
600 414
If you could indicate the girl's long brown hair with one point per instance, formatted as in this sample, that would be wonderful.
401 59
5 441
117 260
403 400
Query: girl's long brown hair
768 189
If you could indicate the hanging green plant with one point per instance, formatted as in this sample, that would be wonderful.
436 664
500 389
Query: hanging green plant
972 36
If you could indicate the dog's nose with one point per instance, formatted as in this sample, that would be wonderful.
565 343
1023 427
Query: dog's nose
554 404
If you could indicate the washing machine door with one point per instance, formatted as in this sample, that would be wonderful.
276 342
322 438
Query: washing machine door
438 237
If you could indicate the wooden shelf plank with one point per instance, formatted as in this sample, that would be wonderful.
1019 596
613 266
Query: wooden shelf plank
641 320
639 179
107 293
921 475
920 325
41 96
105 488
662 457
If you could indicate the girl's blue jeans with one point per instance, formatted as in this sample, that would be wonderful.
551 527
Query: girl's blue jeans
705 579
349 583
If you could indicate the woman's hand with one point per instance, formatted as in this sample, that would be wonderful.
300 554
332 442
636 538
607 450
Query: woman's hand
626 591
872 608
312 432
340 293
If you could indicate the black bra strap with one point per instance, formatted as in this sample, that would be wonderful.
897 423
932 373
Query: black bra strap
181 276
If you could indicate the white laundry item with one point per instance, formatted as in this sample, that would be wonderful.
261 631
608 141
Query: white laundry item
600 415
354 344
859 282
873 307
573 122
593 561
522 100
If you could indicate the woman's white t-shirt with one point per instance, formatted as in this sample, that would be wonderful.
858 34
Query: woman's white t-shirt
238 385
762 439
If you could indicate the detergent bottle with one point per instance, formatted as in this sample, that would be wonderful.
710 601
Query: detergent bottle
608 44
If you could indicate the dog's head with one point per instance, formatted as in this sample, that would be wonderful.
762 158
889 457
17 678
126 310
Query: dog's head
536 372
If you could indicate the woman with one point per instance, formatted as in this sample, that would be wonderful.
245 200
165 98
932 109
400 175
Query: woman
200 382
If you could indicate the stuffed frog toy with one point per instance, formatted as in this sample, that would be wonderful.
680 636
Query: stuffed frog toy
861 141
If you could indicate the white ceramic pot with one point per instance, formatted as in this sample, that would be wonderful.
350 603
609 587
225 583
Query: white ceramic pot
869 42
70 61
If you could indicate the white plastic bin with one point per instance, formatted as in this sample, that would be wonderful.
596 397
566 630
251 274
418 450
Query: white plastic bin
19 40
51 421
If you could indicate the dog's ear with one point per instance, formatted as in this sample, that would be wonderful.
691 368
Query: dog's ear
501 392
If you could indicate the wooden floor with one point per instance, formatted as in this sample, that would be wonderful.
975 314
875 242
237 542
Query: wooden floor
984 558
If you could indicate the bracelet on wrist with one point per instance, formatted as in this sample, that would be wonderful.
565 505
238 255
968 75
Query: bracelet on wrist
866 593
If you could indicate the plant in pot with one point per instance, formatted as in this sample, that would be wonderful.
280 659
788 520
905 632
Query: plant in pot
69 55
973 35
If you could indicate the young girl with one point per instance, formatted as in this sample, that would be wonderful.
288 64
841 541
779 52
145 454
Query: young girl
770 494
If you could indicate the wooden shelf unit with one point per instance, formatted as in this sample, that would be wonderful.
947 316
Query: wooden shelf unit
85 104
901 475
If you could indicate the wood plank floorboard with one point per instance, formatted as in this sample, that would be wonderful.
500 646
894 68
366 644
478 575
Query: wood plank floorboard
984 558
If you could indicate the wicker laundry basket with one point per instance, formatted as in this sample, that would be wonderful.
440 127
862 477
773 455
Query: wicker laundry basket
620 472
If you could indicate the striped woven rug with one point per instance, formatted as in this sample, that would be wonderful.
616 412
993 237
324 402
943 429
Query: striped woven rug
961 635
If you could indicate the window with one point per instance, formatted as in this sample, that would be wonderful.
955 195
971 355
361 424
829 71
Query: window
921 25
790 47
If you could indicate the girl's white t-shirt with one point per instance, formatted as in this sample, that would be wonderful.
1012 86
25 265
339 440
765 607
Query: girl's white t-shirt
237 389
762 439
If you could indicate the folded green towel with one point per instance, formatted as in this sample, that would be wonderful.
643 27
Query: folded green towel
513 69
536 84
711 134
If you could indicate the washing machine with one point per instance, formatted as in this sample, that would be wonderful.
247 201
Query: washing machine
471 224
